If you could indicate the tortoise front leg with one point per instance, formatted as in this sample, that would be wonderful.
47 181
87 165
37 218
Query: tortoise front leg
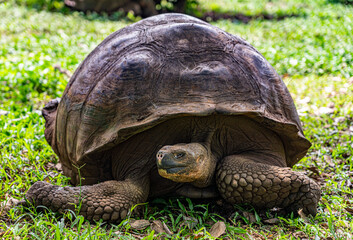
110 200
240 179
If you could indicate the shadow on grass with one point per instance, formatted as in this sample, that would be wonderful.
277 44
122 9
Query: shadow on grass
205 15
240 17
345 2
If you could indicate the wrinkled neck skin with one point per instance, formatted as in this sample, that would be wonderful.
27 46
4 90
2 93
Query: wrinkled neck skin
210 162
207 175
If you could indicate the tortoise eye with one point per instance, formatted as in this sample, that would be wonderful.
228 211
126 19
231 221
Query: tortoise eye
179 155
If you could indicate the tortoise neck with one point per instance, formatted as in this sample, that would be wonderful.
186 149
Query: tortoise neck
206 177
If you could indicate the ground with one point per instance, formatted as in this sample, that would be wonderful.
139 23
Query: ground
309 43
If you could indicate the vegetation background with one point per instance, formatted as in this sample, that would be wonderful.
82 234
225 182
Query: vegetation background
309 43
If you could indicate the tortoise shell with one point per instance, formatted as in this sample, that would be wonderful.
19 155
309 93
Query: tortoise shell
165 67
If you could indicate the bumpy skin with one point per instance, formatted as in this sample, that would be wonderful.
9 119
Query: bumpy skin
110 200
242 180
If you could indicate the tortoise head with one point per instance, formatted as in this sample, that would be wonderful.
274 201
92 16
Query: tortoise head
49 114
190 163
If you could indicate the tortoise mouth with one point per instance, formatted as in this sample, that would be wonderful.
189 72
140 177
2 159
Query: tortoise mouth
169 164
172 167
173 170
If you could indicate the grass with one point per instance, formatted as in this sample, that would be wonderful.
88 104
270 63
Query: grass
312 51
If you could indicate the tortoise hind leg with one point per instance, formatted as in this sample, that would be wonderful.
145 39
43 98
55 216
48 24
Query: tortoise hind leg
110 200
240 179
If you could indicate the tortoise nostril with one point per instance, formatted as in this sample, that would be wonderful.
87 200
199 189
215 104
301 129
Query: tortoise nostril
160 155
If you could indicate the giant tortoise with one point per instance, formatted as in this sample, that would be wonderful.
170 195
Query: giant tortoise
172 105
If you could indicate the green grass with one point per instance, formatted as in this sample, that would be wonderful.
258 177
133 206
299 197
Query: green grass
313 52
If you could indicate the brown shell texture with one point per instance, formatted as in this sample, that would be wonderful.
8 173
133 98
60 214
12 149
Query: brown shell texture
164 67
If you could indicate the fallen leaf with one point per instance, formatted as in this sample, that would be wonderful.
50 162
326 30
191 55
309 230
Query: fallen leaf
325 110
328 159
300 235
272 221
3 112
167 230
140 224
350 80
219 202
250 217
49 166
343 223
198 235
340 232
62 70
285 75
326 175
304 100
339 120
348 209
258 236
331 105
136 236
314 170
303 216
58 167
218 229
324 225
8 203
119 233
157 226
47 179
